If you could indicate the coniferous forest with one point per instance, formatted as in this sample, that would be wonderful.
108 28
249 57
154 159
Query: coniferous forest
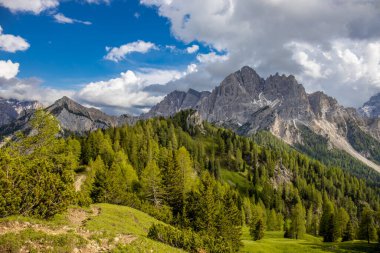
173 169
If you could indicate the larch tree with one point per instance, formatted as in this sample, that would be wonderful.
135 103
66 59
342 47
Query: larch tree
151 182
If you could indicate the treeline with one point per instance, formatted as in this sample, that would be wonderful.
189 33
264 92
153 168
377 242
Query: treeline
170 168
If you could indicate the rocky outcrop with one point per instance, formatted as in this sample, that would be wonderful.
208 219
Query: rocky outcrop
174 102
72 116
13 109
76 118
371 108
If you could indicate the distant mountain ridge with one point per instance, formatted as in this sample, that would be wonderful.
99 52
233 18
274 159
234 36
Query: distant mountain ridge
12 109
248 103
73 117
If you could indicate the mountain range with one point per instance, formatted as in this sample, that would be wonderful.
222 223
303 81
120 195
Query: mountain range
243 102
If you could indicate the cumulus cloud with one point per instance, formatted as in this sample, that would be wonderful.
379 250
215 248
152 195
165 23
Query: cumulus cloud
127 93
11 43
31 89
211 58
62 19
38 6
192 49
117 54
33 6
351 66
8 69
283 36
123 94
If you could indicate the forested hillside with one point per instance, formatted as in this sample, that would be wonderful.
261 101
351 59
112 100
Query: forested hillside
175 170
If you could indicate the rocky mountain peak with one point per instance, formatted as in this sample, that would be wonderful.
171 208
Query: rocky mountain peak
371 108
12 109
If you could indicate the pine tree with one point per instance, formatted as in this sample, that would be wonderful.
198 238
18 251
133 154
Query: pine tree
348 233
151 182
341 221
37 171
272 220
297 226
325 228
367 226
257 229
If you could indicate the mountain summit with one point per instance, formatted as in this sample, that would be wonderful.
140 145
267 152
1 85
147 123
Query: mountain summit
248 103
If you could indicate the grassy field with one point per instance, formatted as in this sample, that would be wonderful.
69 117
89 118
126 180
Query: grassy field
235 179
273 242
114 220
123 229
105 227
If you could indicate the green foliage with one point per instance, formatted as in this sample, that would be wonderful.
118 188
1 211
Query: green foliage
348 233
151 183
256 230
274 242
327 226
37 170
188 240
29 240
198 178
317 147
297 217
367 227
363 142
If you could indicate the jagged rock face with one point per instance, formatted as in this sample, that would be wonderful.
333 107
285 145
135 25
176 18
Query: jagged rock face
12 109
175 102
72 117
76 118
246 103
371 108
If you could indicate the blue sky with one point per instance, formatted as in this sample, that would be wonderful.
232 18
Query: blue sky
65 55
124 56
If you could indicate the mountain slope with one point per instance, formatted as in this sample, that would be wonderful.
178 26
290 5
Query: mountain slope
247 103
99 228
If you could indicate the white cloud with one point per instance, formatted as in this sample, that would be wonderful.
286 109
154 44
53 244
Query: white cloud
262 34
126 93
123 94
34 6
192 49
11 43
62 19
8 69
38 6
26 89
211 58
352 68
118 53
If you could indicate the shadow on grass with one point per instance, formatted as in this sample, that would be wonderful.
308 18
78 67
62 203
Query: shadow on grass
353 247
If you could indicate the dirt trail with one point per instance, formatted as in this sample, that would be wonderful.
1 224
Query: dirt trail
77 219
79 180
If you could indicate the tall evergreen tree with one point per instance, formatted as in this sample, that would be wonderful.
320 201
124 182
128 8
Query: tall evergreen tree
151 182
297 217
367 230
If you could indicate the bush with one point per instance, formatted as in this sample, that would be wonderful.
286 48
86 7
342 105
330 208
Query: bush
162 213
187 239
